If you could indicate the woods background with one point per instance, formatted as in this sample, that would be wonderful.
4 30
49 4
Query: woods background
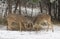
51 7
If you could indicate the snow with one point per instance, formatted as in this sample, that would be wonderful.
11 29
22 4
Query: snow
43 34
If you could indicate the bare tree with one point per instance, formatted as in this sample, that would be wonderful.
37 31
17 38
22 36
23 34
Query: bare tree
5 12
32 10
16 5
40 6
9 6
25 7
20 7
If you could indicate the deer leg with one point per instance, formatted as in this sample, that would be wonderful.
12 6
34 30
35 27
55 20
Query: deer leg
20 26
52 28
50 23
48 26
9 26
37 27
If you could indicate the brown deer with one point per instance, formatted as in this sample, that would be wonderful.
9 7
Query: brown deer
18 19
41 19
21 21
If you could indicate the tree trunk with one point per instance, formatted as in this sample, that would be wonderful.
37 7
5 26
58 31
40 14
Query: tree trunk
9 6
19 7
55 11
32 11
25 8
49 8
16 6
40 7
58 9
5 12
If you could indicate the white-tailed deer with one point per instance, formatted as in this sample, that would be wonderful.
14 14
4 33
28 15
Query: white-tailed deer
18 19
43 18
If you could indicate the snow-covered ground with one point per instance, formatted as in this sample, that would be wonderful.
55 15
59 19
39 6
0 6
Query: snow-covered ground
4 34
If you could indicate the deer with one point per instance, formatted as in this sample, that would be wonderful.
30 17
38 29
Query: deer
21 21
18 19
41 19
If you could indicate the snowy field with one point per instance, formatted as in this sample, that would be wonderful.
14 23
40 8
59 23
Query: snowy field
4 34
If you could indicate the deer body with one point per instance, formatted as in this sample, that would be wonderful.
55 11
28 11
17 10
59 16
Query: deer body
17 19
43 18
23 22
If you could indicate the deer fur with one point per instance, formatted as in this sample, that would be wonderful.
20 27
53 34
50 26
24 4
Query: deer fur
19 19
24 22
43 18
